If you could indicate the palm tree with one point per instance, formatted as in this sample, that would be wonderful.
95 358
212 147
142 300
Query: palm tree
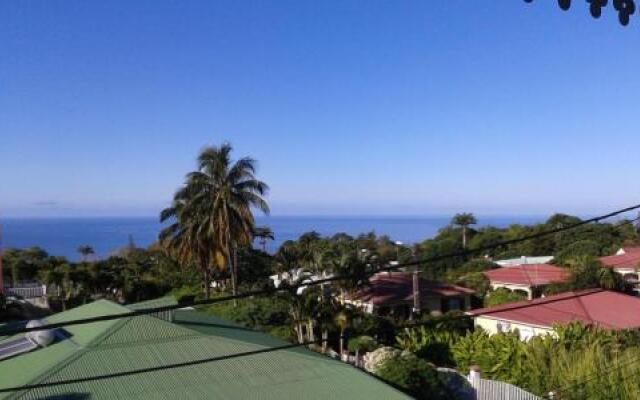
463 220
342 320
353 269
264 233
85 251
213 211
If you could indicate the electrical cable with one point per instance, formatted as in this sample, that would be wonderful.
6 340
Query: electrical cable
9 330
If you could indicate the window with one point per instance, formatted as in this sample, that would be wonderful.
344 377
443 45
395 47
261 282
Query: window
503 326
455 304
525 333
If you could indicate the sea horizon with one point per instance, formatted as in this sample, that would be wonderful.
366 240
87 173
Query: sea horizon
61 236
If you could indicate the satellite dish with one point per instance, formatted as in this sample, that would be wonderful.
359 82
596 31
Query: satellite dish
43 337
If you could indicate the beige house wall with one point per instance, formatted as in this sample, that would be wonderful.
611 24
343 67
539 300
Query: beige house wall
526 331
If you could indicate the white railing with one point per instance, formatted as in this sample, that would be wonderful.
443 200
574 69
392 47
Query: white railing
27 290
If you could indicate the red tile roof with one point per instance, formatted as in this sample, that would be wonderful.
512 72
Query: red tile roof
528 274
592 307
630 258
397 287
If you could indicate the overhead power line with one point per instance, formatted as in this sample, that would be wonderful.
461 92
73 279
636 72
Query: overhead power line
592 377
289 346
160 367
13 329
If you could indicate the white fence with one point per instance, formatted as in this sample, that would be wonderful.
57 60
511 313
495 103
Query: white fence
486 389
27 290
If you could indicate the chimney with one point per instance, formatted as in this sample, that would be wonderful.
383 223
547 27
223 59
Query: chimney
416 291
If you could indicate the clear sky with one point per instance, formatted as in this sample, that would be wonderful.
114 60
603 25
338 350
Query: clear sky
352 107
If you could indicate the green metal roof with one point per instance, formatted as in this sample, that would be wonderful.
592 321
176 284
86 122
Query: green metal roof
126 345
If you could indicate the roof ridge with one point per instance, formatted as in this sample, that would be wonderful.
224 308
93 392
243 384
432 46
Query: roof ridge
124 322
539 301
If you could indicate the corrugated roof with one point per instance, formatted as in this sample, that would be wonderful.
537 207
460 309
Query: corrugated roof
126 345
528 274
627 257
397 287
592 307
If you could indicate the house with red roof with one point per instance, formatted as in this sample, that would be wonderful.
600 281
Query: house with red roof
529 278
400 293
592 307
626 262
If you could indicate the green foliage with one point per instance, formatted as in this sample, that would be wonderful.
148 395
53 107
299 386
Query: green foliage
470 274
433 345
414 375
586 273
265 313
362 344
254 266
577 249
586 362
211 215
476 281
502 296
21 265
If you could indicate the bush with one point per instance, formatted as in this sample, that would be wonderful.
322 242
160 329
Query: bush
502 296
270 314
476 281
362 344
430 344
414 375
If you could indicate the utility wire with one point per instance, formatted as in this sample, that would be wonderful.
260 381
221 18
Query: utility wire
266 350
160 367
9 330
592 377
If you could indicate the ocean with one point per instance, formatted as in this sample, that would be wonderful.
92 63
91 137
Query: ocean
62 236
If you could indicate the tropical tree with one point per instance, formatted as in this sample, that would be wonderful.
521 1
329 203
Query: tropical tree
213 211
360 345
86 251
342 320
464 220
264 233
354 273
287 257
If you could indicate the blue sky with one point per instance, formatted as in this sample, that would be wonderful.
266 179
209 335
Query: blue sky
351 107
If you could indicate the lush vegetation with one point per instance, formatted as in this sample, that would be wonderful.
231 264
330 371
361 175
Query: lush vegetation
211 215
206 249
577 363
131 274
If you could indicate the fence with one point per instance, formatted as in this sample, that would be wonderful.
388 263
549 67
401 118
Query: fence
486 389
27 290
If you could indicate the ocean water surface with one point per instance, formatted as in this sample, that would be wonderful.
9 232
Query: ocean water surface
62 236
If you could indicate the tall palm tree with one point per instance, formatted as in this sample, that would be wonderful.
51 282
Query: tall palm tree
264 233
463 220
213 211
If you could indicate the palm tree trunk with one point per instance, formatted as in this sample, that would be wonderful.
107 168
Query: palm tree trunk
325 336
234 275
310 334
207 283
299 332
464 236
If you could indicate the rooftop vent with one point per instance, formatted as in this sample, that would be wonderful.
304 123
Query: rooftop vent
41 338
30 341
